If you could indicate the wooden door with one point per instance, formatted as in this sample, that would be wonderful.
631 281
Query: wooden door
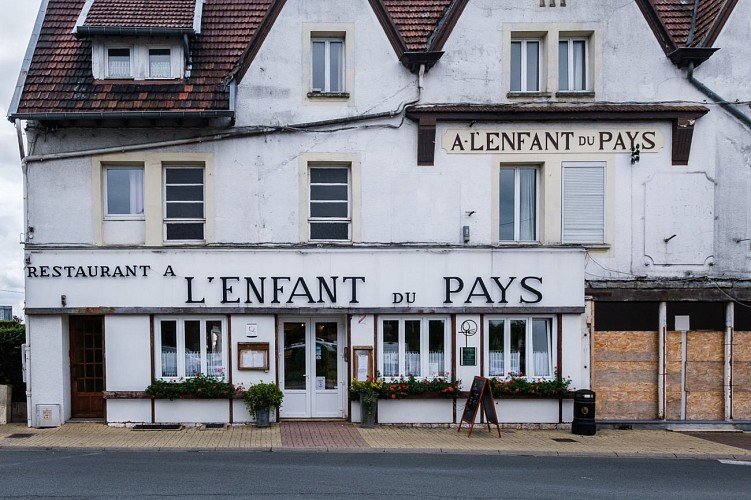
87 366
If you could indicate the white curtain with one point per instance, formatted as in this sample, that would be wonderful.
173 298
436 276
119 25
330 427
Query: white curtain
527 203
136 191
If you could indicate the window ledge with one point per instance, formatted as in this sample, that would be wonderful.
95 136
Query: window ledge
328 95
575 93
593 246
516 95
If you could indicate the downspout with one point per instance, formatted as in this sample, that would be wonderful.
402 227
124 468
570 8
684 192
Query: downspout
728 372
26 347
663 319
716 98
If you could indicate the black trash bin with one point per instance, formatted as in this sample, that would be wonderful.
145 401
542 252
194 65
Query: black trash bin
584 413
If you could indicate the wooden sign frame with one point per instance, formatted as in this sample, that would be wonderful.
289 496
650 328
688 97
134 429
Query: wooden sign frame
248 354
479 394
357 351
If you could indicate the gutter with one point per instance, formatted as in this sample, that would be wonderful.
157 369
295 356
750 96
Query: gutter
86 31
724 104
104 115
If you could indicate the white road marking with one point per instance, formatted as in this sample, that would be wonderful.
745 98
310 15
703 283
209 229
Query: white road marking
734 462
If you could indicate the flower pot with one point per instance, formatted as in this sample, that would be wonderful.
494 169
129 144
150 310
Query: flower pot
368 411
262 417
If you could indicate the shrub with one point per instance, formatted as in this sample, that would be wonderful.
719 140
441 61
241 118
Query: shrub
263 395
200 386
12 336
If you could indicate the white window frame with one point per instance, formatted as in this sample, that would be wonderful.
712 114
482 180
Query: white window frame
134 196
327 40
576 199
523 81
148 62
517 202
532 371
180 351
107 61
167 221
570 64
329 220
424 346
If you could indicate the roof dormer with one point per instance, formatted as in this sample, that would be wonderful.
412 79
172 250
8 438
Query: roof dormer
140 39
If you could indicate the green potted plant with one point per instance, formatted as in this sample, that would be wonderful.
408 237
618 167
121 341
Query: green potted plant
260 398
368 391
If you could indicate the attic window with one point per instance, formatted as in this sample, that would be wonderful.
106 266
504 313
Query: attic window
160 63
118 63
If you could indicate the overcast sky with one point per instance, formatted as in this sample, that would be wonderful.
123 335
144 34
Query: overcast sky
16 21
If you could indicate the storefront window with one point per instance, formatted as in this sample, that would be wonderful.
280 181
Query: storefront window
519 346
190 346
413 346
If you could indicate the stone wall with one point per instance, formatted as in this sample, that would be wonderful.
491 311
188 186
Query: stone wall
742 376
624 375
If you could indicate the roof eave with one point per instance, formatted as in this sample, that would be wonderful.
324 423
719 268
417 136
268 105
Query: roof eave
88 31
119 115
13 108
413 60
683 56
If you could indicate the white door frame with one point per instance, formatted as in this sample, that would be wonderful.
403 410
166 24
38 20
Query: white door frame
312 402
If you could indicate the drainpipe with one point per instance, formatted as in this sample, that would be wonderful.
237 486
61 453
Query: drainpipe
663 327
26 347
717 98
728 375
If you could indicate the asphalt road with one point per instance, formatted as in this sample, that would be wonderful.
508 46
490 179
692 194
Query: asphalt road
120 474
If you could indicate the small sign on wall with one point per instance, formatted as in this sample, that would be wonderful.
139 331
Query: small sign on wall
253 356
468 356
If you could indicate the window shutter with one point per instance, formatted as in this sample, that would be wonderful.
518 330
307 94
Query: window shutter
583 203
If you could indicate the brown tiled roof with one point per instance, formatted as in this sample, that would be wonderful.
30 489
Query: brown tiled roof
141 13
675 17
60 77
416 20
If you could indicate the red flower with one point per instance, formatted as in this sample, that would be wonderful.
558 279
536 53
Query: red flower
393 396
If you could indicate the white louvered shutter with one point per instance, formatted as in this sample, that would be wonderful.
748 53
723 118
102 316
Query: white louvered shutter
583 203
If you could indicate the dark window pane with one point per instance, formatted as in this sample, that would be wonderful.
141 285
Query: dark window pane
294 356
627 316
533 66
335 61
185 231
184 210
702 315
329 231
318 192
184 193
516 66
563 65
329 209
507 204
319 65
184 175
329 175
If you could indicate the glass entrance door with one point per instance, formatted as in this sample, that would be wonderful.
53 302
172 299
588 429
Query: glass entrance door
311 367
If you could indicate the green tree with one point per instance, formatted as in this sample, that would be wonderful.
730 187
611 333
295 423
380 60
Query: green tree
12 336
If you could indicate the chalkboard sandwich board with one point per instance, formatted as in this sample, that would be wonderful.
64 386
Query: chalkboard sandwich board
479 394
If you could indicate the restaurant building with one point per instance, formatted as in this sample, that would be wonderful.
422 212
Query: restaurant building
306 192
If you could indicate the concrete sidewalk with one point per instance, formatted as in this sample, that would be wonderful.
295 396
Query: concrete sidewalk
342 436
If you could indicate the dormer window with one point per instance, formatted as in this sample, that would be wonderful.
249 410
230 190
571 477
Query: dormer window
160 63
118 63
138 58
143 41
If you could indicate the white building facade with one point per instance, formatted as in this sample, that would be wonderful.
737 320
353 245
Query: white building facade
535 189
